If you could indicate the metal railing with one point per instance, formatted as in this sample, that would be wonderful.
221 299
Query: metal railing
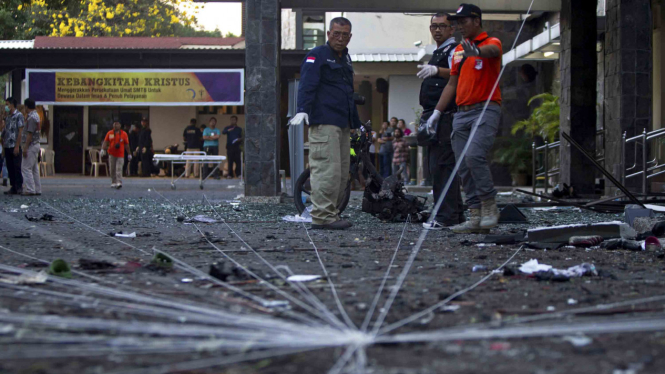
649 168
547 168
550 165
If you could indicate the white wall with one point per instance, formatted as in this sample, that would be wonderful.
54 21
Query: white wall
168 123
403 95
385 30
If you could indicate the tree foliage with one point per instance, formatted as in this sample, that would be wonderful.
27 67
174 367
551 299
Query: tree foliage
544 121
25 19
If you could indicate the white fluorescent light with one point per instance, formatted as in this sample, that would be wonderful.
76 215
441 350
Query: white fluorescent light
548 54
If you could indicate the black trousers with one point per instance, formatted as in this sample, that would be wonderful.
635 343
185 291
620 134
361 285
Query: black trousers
147 167
134 165
234 157
14 169
210 151
441 165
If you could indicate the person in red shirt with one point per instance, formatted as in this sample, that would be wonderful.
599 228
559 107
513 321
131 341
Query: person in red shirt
116 143
473 77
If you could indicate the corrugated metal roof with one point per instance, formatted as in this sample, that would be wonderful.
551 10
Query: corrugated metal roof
384 57
44 42
17 44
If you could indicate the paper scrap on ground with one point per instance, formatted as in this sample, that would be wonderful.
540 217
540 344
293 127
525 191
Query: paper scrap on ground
532 266
38 278
202 219
303 278
655 208
578 340
304 217
24 207
121 235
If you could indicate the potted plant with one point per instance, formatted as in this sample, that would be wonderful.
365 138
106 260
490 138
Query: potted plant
516 153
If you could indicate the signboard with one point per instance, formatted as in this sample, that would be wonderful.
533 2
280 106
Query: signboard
176 87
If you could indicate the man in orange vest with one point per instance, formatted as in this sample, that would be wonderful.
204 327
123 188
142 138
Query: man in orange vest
474 73
116 143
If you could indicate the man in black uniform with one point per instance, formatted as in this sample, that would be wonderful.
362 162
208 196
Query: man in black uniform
133 149
145 148
441 156
192 137
233 142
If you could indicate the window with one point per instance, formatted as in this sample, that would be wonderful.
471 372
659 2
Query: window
313 30
100 121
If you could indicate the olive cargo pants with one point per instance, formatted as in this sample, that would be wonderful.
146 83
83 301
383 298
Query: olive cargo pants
329 162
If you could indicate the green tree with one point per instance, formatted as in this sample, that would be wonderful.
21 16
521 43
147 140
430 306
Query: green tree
29 18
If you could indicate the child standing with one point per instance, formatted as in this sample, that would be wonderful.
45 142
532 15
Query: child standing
400 156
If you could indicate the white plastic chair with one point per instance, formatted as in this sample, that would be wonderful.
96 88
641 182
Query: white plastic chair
95 161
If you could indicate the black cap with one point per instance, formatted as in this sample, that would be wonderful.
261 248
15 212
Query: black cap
467 10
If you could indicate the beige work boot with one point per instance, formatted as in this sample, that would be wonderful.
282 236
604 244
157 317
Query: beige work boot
472 226
489 214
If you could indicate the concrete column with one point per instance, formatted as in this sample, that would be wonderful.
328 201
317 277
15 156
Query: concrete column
17 78
578 91
628 79
262 90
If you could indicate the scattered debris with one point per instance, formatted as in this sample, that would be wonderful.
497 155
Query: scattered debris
202 219
161 260
187 280
304 217
44 217
562 234
564 191
122 235
548 273
22 236
303 278
88 264
630 245
181 218
585 241
24 207
511 214
477 268
60 268
632 211
652 244
578 340
226 272
504 239
39 278
117 223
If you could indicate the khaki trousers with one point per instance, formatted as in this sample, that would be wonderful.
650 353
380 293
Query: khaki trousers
189 165
329 162
30 170
115 169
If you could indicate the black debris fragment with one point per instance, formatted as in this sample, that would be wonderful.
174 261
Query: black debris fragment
22 236
89 264
44 217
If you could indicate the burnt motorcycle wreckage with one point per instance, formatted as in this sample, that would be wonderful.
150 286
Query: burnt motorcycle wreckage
384 198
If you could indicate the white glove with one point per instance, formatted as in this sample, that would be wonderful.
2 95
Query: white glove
102 153
470 49
433 121
427 71
298 119
129 157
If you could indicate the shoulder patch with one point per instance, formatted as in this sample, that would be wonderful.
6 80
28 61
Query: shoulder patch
311 59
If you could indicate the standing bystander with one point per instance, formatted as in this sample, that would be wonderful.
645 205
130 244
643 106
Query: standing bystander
30 161
145 149
133 150
400 157
211 145
191 137
11 145
386 149
441 158
233 141
475 70
116 143
326 103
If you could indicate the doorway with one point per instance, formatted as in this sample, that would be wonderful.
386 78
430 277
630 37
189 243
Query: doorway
68 139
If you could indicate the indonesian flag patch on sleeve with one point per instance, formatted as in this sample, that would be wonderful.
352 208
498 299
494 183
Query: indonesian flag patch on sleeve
311 59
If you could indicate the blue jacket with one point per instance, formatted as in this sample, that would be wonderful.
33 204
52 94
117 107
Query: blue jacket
325 90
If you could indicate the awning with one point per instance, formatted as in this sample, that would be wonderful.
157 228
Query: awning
544 47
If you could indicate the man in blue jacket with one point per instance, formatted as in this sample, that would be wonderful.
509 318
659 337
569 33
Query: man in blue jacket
326 104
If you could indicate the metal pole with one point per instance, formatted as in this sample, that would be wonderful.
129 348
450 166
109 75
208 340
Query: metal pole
533 165
644 163
623 159
547 166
